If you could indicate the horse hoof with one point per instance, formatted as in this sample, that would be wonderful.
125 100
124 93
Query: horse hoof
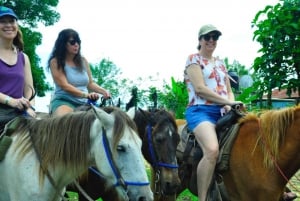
289 196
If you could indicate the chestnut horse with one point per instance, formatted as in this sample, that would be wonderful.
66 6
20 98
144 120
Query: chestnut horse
158 131
264 157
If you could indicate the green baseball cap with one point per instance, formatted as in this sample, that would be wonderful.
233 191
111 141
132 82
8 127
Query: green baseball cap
205 29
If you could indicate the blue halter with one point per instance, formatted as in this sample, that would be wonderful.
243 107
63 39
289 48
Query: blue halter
152 154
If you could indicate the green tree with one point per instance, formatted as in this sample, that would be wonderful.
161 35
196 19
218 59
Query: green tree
278 31
237 67
174 97
107 74
35 12
245 94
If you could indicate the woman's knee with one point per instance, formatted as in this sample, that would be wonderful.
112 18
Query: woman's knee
62 110
211 152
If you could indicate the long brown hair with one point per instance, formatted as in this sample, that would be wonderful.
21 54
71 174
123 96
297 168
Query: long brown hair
59 50
18 41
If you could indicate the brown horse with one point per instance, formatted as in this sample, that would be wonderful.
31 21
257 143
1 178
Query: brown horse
264 157
160 137
158 131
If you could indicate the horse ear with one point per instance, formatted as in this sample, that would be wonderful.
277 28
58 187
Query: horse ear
106 118
131 112
142 112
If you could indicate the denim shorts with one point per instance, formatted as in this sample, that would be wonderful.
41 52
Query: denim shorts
57 102
197 114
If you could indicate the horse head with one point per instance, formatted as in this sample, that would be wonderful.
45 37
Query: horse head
160 137
126 168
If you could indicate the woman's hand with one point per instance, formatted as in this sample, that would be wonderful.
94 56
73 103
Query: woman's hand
19 103
106 95
227 108
93 96
30 111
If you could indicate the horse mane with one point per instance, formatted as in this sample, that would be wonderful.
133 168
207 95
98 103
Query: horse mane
65 140
273 125
121 120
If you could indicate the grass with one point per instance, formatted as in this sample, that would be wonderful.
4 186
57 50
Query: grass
184 196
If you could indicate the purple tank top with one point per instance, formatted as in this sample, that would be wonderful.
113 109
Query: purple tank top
12 77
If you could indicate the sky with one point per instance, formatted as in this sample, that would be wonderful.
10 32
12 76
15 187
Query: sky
154 38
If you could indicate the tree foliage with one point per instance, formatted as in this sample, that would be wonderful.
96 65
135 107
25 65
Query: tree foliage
278 31
174 97
109 76
30 14
106 74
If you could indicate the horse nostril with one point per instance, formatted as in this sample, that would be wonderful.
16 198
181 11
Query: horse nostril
172 185
142 199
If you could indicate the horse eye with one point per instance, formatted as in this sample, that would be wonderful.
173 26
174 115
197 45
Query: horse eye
121 148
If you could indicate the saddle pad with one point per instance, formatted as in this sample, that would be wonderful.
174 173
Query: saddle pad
5 142
185 134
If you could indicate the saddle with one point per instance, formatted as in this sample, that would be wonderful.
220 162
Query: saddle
5 139
189 153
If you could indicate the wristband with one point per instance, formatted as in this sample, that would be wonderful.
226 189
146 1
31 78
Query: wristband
84 95
7 99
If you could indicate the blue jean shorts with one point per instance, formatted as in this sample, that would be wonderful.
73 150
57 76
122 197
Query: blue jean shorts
197 114
57 102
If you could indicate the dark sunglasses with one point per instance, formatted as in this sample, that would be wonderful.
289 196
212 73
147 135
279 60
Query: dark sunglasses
73 42
207 37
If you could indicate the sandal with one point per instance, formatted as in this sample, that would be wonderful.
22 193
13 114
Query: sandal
289 196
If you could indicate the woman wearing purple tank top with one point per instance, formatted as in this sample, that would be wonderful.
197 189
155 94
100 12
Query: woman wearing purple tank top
16 83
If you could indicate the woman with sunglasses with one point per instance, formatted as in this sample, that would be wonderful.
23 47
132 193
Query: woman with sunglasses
71 74
210 96
16 83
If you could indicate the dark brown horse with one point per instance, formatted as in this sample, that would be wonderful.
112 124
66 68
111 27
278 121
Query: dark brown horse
158 131
264 157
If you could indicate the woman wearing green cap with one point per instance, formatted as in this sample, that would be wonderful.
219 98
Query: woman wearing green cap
16 84
210 95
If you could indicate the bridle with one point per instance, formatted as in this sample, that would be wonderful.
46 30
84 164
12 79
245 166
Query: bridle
119 179
156 164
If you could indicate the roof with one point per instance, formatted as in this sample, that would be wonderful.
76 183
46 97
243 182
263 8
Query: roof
276 93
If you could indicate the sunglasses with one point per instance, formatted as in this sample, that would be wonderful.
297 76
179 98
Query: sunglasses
207 37
73 42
